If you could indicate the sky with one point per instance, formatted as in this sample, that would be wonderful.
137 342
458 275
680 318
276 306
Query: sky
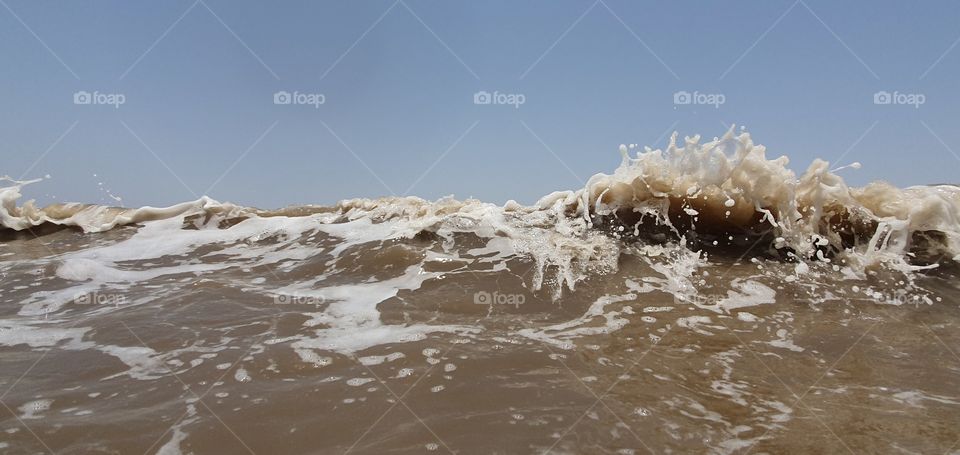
271 104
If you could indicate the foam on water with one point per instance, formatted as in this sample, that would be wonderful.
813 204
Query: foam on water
663 208
351 322
725 186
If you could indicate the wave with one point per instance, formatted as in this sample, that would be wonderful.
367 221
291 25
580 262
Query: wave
723 196
728 186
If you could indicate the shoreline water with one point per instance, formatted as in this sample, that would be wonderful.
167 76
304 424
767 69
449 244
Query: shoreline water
700 300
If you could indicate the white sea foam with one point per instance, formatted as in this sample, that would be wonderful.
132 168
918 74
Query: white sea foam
727 183
724 187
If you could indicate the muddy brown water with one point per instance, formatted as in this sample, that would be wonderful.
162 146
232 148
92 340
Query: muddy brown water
209 360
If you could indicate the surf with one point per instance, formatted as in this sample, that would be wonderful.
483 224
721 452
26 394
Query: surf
720 197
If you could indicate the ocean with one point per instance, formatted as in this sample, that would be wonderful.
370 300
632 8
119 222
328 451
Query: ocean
699 299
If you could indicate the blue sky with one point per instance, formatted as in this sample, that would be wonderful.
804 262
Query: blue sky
398 81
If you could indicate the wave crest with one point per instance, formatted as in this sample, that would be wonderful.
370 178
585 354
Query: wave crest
721 195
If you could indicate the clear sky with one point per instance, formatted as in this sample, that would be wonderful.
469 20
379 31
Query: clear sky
397 78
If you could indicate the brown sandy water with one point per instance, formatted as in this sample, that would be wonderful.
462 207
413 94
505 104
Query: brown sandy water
273 341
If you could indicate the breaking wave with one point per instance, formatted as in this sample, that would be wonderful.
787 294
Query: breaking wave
722 197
